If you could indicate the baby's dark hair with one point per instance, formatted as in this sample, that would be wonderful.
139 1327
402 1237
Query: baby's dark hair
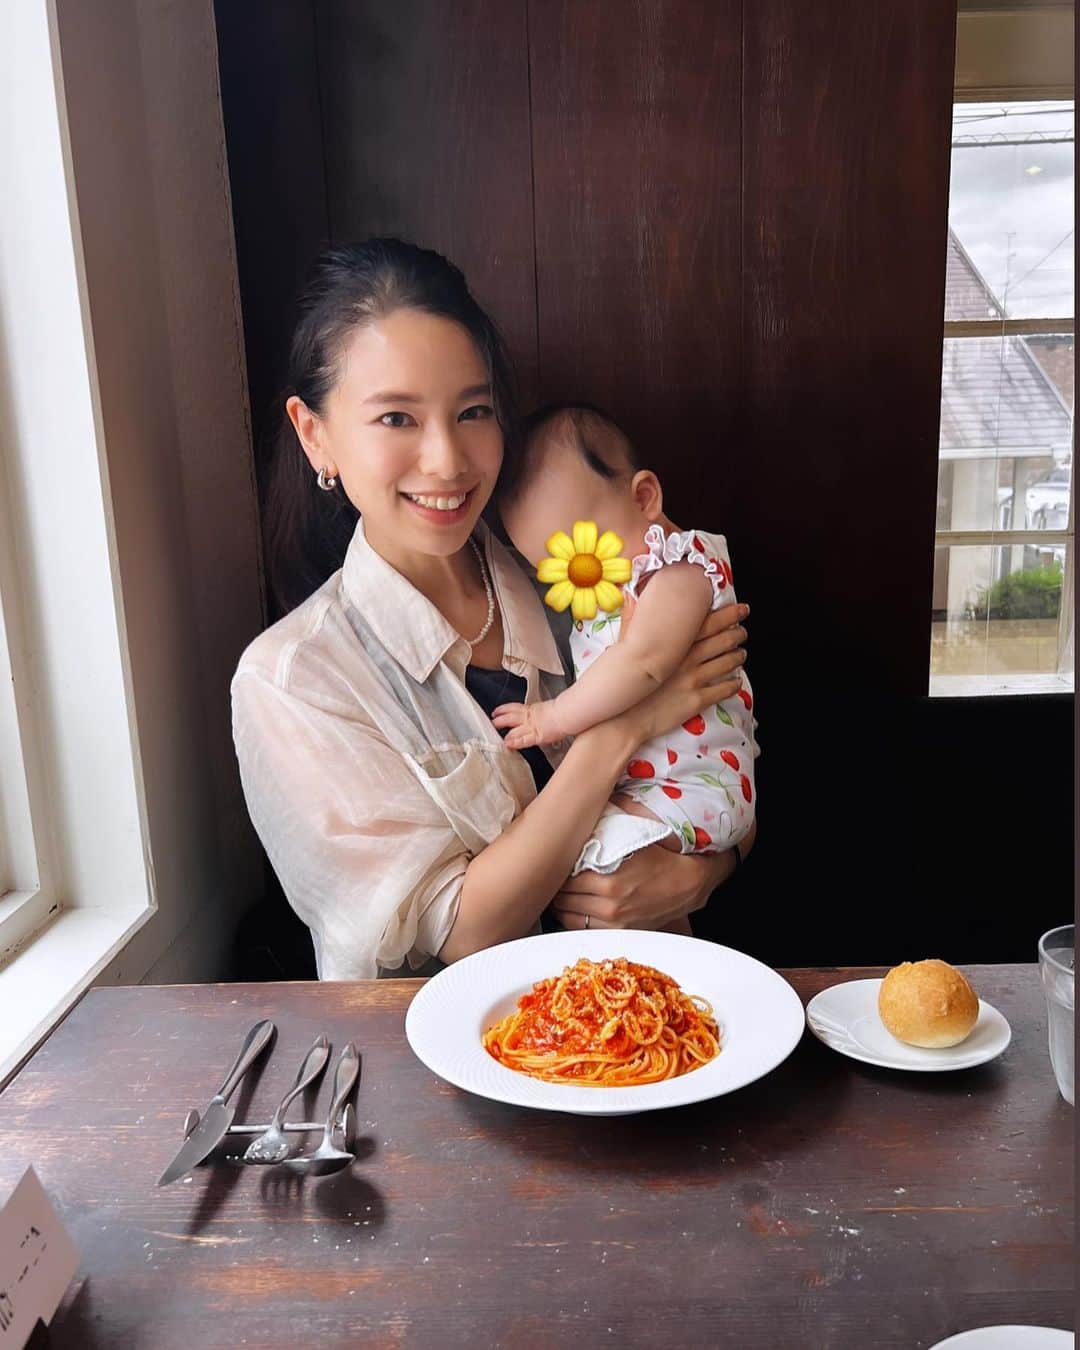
602 443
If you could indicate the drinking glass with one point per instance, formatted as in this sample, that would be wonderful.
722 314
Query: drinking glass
1056 965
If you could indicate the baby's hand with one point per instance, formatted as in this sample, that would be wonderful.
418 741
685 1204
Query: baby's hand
535 724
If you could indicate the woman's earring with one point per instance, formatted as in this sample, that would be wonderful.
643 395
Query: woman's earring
327 482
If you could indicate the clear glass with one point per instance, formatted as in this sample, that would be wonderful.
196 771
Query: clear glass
1005 446
1011 208
1056 965
1005 451
996 610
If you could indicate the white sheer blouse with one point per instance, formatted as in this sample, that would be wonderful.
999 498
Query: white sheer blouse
371 774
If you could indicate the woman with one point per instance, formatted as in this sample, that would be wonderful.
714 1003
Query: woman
400 826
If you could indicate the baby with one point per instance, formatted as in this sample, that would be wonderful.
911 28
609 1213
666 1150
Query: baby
692 790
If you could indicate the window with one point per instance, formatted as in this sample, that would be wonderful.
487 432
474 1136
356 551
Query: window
128 532
26 901
1004 558
74 880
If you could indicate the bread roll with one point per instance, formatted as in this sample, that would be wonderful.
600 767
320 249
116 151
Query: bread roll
927 1003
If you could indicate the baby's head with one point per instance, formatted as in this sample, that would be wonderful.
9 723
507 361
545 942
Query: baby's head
577 464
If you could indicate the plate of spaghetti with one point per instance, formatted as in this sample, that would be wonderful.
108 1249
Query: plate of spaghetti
604 1022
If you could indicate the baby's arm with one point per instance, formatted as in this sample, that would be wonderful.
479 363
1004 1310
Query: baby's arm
666 621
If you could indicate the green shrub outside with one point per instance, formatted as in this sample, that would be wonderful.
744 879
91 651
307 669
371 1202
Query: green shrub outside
1031 594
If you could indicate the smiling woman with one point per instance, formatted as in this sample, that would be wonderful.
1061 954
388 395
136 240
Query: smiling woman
399 823
419 461
375 415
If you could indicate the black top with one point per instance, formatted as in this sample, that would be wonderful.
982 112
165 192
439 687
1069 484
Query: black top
492 687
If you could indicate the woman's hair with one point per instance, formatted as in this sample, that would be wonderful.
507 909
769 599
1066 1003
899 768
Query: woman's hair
307 531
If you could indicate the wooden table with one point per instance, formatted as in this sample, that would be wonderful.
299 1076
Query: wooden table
829 1205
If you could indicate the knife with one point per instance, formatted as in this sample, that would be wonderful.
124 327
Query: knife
217 1117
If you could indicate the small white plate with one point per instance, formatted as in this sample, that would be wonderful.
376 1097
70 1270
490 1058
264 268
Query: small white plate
845 1017
760 1017
1009 1338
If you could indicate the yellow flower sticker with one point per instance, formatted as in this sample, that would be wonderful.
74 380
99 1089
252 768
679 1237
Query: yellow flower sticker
584 571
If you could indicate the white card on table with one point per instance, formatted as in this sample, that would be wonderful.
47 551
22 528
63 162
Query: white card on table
37 1261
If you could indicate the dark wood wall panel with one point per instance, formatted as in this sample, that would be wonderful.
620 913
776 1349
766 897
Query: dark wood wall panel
846 129
739 219
637 161
847 115
884 815
270 103
425 112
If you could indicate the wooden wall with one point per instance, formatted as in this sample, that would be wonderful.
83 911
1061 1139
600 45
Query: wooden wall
726 221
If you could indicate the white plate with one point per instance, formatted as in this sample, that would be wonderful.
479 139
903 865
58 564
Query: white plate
760 1017
1009 1338
845 1017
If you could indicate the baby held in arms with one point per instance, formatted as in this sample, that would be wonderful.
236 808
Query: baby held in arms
691 791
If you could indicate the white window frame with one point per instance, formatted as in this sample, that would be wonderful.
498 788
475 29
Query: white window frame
130 575
28 899
77 882
1015 52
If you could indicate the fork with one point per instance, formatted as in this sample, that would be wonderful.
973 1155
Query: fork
328 1157
271 1146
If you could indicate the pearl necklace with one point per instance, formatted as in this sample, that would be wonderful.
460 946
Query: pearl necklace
475 642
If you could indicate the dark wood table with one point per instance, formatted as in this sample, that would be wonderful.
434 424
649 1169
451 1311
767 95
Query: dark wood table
829 1205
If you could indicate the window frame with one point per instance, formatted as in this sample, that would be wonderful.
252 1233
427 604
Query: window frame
130 567
989 69
77 880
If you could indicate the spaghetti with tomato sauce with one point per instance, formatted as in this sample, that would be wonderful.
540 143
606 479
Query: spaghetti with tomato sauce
611 1023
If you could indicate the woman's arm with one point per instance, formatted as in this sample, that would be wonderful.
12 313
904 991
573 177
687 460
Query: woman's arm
365 856
651 888
508 885
667 619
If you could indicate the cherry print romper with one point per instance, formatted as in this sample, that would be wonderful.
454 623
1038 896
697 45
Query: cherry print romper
699 779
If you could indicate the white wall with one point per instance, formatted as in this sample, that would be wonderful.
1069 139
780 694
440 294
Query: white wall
149 171
59 604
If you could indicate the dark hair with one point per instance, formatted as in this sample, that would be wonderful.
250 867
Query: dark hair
307 531
601 441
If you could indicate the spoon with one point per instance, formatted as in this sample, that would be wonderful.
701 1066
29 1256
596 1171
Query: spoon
328 1157
271 1146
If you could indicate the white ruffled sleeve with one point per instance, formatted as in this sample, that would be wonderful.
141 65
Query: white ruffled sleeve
687 546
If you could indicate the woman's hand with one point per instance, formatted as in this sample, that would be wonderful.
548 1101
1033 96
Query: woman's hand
709 674
651 888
